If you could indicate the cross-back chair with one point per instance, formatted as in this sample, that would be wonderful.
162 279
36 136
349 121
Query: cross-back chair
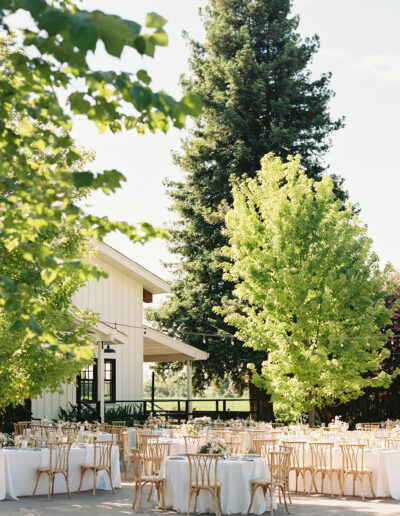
21 427
255 434
203 475
101 462
141 480
280 461
322 463
353 457
298 461
193 443
58 464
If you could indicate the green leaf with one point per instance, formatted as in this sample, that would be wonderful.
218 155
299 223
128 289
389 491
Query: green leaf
84 35
114 32
155 21
191 104
34 325
143 76
141 97
8 282
78 103
34 6
54 21
82 179
160 38
48 275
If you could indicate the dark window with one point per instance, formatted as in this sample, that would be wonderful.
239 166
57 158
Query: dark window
87 381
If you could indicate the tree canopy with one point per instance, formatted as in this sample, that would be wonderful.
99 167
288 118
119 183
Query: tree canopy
43 173
253 76
310 292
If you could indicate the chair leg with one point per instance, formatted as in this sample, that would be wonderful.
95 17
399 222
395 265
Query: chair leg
219 501
140 496
362 486
190 500
163 495
50 482
215 502
109 472
253 488
38 474
134 498
354 484
67 482
83 471
284 498
271 499
94 481
127 467
370 475
195 500
53 477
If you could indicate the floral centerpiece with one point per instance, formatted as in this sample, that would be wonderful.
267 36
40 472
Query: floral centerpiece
3 439
205 420
216 447
395 433
154 421
187 429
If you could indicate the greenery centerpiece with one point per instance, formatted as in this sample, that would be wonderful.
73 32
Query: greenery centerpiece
214 447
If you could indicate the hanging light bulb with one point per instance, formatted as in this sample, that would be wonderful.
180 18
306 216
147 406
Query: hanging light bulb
368 343
204 339
341 343
232 342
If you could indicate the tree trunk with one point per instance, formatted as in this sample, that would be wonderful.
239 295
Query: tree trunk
311 418
260 403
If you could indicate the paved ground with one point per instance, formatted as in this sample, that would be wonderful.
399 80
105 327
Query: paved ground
108 504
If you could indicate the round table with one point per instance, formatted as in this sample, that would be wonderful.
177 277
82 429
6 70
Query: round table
235 476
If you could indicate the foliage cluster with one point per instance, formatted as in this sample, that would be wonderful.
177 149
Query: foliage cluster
309 291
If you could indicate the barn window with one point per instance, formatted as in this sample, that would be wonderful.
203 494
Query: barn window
87 382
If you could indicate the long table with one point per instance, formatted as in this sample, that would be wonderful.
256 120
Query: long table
18 472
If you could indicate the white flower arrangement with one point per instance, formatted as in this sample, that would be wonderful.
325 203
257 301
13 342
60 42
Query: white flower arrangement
187 430
3 439
216 447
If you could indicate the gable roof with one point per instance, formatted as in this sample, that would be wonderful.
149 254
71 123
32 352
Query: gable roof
152 283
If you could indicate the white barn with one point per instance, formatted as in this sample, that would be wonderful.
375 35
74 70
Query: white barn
119 300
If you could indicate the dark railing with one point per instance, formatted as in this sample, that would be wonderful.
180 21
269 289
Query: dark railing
184 409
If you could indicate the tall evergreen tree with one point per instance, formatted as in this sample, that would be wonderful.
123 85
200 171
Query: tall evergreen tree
252 74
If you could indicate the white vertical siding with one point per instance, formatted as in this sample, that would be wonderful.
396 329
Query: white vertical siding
118 299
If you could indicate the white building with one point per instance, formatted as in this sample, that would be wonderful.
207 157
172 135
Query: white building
119 300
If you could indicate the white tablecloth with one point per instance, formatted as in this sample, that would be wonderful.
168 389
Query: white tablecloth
18 472
132 435
235 493
385 465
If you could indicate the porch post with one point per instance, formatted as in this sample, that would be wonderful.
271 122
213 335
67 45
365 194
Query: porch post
189 388
100 379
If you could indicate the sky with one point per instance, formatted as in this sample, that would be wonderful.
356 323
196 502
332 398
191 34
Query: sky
359 45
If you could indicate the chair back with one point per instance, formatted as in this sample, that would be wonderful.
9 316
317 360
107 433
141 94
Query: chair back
118 423
193 443
156 453
392 444
279 466
234 442
138 461
255 434
141 438
68 430
21 427
203 469
370 426
353 457
277 425
105 427
102 454
59 456
264 447
297 457
144 442
322 455
217 434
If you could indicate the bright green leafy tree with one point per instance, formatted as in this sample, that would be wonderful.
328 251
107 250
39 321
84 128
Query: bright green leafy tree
43 174
253 76
309 287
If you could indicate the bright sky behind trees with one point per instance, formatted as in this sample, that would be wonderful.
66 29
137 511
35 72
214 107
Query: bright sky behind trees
359 45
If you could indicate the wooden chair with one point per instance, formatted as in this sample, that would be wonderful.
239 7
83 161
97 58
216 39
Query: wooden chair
370 426
106 428
392 444
117 431
203 475
353 464
277 425
128 453
101 462
40 434
21 427
141 480
193 443
280 461
234 443
264 446
141 436
118 423
58 464
255 434
322 463
298 461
